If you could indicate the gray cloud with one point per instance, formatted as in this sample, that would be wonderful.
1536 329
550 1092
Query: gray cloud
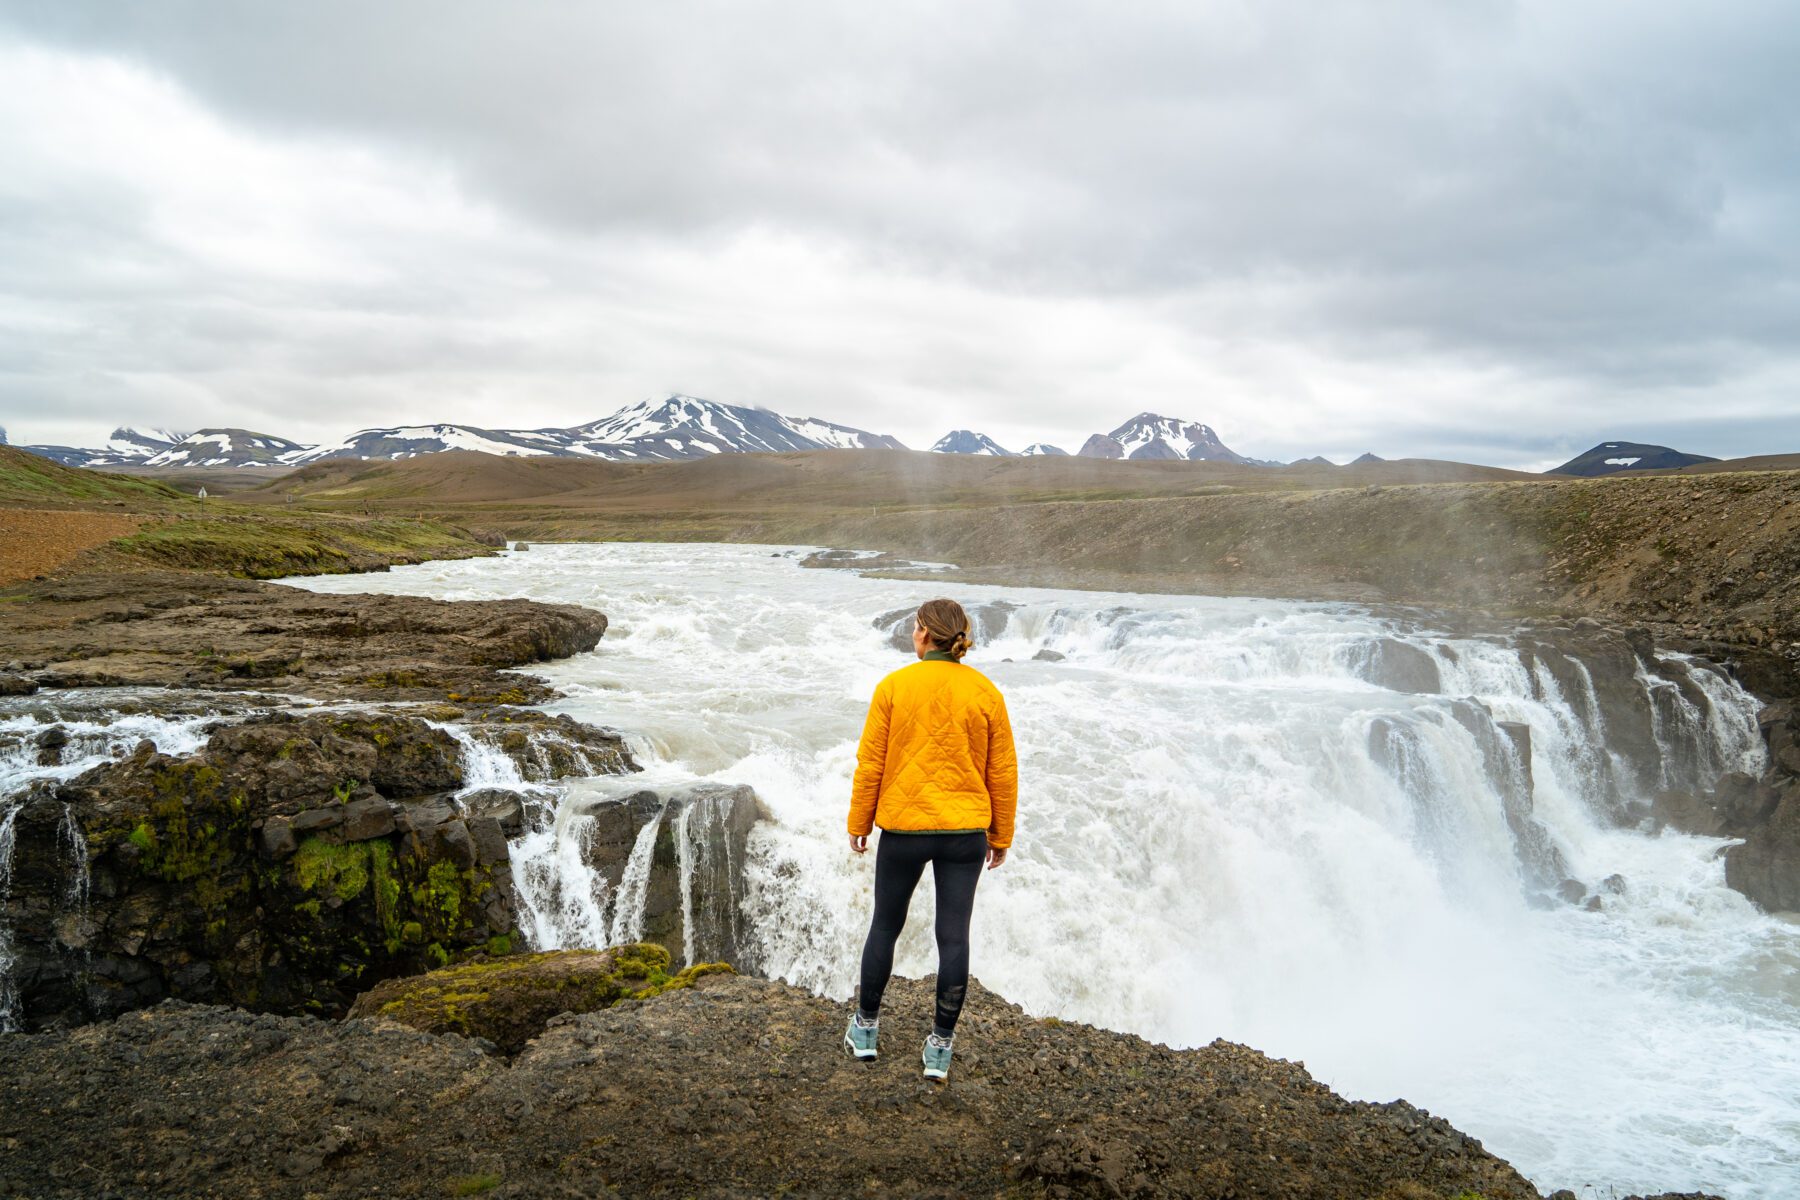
1315 227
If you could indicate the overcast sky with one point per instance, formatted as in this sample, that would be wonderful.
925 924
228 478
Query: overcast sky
1496 232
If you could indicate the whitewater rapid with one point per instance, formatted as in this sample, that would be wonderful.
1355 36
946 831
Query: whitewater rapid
1208 848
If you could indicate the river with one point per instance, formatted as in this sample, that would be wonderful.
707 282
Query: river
1226 831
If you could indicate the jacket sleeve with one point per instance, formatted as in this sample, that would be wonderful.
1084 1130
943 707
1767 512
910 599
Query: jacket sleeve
871 759
1002 776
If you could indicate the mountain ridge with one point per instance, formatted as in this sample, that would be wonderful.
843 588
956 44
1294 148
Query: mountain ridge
1610 458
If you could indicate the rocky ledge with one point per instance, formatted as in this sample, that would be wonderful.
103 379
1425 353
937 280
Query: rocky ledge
289 864
731 1087
208 631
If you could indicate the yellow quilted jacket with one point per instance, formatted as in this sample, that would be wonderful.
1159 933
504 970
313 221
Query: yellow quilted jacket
936 755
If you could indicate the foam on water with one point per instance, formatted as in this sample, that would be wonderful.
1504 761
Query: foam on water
1210 846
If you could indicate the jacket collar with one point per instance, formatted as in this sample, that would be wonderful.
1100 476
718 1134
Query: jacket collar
939 656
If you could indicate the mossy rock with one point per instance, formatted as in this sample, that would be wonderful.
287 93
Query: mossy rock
509 1000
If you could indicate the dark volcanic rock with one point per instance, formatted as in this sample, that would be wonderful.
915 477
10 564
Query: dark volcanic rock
706 824
16 685
733 1087
1766 814
548 747
287 866
195 630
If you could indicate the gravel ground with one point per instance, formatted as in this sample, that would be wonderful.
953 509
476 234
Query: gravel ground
35 542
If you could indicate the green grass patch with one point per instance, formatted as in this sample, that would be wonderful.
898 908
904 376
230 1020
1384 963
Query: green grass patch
258 547
27 478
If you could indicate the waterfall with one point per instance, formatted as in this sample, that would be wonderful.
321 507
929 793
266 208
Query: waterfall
1331 833
483 765
9 996
52 737
634 884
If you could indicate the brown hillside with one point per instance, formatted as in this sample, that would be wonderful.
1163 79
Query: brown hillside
818 478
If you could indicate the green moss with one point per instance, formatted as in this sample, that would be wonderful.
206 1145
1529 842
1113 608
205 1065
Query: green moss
500 945
387 893
474 1185
447 886
509 999
142 836
341 871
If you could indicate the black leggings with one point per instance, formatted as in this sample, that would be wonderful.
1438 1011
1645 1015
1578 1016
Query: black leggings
956 860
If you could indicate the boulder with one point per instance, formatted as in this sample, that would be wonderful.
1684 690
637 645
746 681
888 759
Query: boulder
17 685
509 1000
1400 667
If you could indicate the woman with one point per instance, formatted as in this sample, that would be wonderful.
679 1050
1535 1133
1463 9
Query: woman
936 770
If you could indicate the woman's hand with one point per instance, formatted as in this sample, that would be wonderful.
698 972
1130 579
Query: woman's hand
995 856
859 842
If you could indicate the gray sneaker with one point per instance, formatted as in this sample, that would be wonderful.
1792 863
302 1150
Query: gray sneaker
936 1056
859 1039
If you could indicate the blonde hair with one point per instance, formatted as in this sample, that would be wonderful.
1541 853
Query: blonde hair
947 625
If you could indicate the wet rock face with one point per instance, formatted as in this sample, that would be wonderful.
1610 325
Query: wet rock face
546 747
694 894
1614 677
285 867
1766 814
1401 667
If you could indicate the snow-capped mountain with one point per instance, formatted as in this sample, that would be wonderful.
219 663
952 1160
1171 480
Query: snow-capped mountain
124 447
671 428
226 448
410 441
127 444
689 427
1148 436
967 441
1037 449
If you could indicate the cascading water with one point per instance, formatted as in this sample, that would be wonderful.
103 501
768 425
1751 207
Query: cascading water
51 737
1323 832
